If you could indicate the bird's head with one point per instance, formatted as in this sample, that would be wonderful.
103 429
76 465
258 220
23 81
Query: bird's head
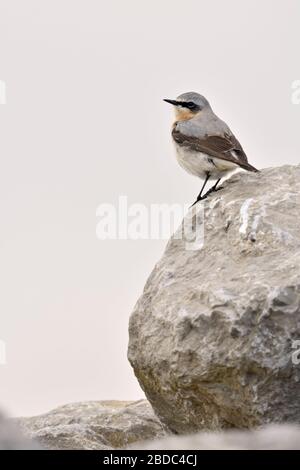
188 105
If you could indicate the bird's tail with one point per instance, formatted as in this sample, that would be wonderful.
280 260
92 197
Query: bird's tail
248 167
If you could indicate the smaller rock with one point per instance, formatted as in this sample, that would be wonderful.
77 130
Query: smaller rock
277 437
94 425
12 439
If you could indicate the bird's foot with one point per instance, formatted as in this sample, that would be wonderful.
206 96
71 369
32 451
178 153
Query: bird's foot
210 191
198 200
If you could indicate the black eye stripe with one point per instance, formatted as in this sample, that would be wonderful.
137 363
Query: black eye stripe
188 104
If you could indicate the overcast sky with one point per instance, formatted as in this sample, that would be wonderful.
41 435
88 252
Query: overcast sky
85 123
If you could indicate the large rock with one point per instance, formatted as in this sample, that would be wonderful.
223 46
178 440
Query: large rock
212 336
272 437
93 425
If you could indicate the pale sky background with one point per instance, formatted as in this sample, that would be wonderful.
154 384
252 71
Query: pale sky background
85 122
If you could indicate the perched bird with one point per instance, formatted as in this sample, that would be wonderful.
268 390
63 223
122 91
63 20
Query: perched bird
205 146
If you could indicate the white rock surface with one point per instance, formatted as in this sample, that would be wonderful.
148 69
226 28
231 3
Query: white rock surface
93 425
274 437
212 336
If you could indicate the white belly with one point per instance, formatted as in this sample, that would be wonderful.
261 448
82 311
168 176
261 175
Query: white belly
199 164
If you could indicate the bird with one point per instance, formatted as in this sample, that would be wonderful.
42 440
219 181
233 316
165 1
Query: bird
205 146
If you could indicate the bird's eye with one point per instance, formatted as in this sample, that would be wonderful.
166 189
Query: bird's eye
191 105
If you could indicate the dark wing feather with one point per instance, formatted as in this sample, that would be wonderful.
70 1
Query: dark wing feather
216 146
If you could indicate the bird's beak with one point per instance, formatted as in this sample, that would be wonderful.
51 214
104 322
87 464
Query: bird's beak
173 102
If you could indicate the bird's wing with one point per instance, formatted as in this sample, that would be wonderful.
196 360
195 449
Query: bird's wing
225 147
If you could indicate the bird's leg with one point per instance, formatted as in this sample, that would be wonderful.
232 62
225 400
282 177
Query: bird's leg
212 189
199 197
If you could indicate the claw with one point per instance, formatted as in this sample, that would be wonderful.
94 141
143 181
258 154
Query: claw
211 190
